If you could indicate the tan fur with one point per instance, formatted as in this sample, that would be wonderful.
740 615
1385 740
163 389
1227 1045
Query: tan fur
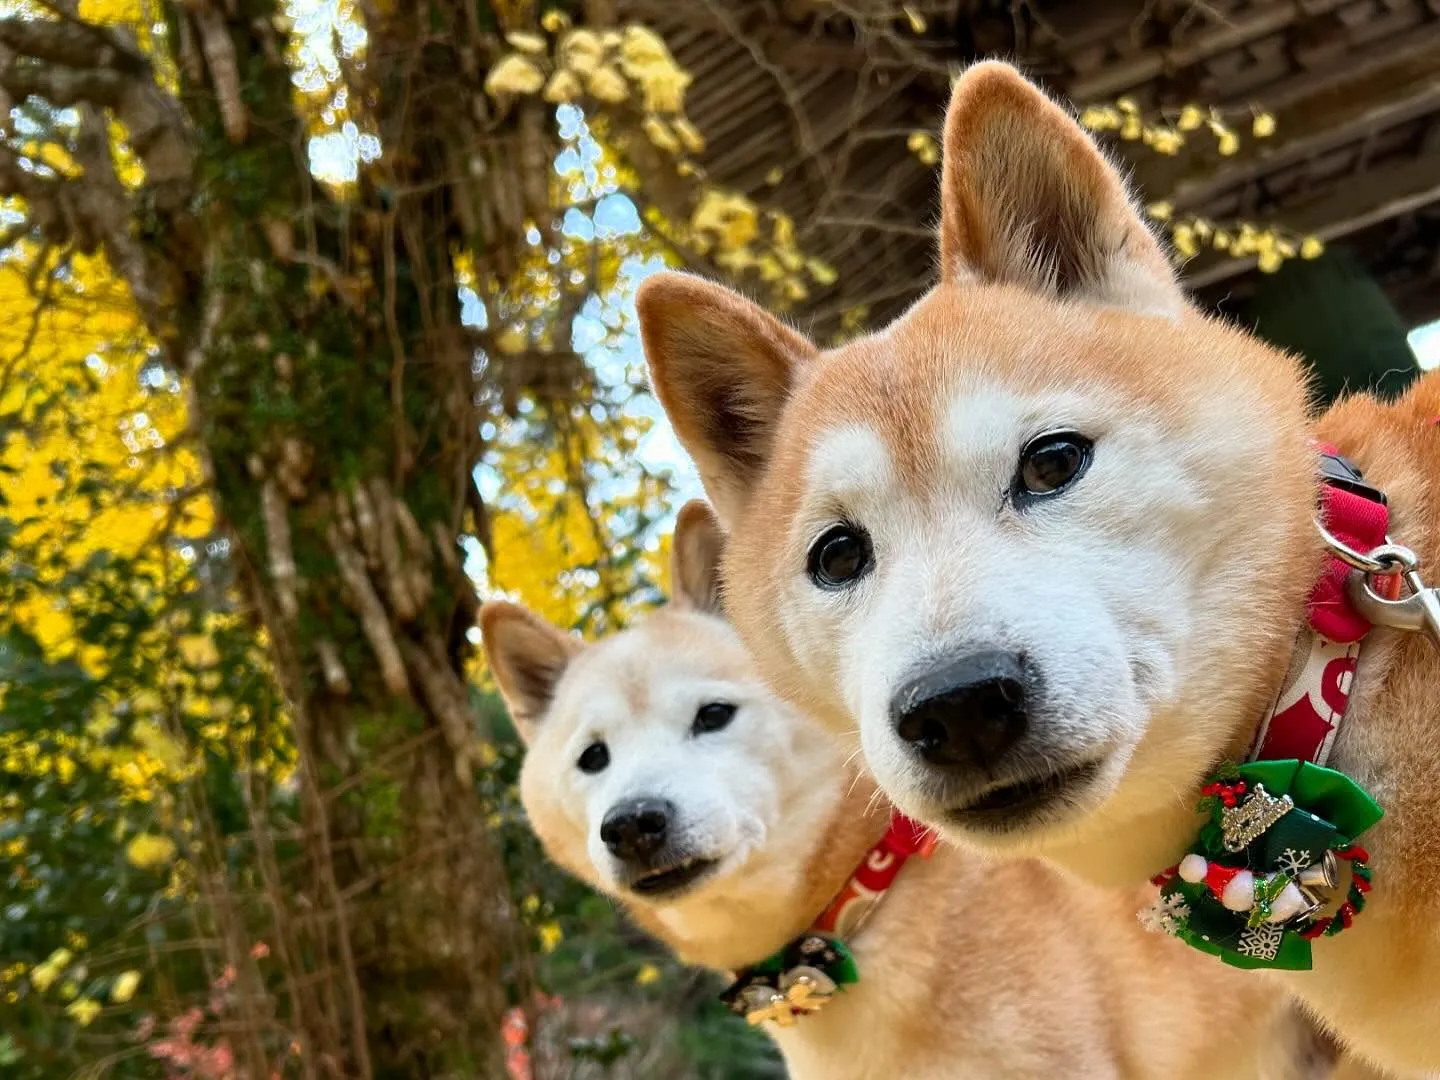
1052 284
970 968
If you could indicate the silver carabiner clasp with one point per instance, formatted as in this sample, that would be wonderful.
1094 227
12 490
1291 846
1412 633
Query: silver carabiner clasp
1419 611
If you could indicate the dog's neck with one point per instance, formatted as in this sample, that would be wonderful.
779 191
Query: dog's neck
778 892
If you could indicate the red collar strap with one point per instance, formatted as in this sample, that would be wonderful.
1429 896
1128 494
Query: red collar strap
872 879
1311 704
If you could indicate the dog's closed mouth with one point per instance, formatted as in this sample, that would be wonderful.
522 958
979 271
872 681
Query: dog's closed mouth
669 880
1010 804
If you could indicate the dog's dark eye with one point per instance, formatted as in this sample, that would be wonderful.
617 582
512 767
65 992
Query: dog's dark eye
841 555
1050 463
594 758
712 717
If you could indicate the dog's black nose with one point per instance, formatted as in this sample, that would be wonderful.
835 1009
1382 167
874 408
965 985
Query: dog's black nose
636 829
966 712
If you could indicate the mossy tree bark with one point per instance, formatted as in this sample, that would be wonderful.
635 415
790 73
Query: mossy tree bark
333 399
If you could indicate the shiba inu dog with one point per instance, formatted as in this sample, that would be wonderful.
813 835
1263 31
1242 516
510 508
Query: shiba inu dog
662 771
1047 540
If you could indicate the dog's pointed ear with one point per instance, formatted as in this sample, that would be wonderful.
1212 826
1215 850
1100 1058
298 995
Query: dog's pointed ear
722 369
1028 199
528 656
699 545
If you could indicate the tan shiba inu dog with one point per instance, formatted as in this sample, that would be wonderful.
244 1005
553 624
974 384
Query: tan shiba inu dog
662 771
1047 541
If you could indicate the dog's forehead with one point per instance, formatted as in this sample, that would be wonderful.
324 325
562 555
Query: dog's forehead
959 374
633 672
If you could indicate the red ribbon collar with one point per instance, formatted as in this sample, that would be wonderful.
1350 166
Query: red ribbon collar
875 875
1308 710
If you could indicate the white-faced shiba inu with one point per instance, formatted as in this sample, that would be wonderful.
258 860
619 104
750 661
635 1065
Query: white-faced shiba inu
662 771
1048 542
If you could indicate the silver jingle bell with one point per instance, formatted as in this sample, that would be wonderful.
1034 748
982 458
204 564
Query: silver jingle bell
1324 874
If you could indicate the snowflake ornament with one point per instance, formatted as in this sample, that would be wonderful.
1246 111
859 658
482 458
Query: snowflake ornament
1166 915
1291 862
1262 942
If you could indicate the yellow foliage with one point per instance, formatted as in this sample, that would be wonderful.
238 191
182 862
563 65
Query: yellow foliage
147 851
607 85
563 87
83 1010
729 219
124 987
525 42
514 74
659 133
581 51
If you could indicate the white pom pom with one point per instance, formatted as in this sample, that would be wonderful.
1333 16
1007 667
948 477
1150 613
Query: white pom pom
1287 905
1239 894
1192 868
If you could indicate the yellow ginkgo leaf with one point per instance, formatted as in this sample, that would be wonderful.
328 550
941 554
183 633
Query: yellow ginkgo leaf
514 75
689 134
83 1010
659 134
198 650
150 852
124 986
664 87
581 51
563 88
822 273
526 42
607 85
641 46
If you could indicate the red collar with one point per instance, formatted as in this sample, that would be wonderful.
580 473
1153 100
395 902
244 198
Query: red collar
872 879
1311 705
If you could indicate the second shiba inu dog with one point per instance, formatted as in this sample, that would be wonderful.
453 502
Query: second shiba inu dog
1048 542
662 771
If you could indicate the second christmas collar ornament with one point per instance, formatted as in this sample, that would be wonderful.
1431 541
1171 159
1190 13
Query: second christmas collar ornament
1255 885
805 975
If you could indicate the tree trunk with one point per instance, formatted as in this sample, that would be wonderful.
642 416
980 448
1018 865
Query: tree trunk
333 390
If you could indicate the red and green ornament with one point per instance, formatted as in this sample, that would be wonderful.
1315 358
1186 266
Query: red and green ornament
1252 887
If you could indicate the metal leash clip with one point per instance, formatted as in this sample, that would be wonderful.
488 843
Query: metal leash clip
1420 610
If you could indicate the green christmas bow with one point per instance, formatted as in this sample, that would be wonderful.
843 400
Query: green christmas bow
1292 813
